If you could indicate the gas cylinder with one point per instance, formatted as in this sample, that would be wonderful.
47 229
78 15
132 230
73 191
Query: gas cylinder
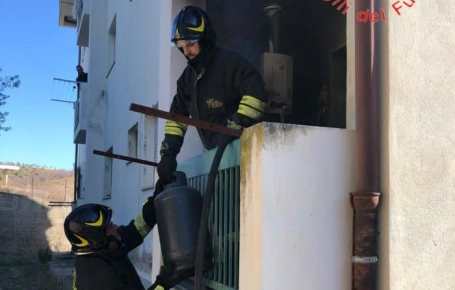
178 214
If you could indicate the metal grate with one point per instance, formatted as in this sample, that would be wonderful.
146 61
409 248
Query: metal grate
224 227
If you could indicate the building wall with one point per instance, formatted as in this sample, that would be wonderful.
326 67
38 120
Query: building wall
93 101
145 71
417 244
30 225
30 231
295 215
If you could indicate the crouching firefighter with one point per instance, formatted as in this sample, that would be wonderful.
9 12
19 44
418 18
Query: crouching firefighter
176 209
101 260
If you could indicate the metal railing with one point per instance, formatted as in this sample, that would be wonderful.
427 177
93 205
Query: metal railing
224 218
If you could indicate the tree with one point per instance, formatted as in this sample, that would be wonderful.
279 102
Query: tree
6 82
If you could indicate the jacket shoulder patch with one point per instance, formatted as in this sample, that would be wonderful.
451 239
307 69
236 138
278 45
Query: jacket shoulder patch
214 104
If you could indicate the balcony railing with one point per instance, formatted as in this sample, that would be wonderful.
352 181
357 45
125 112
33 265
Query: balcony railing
224 216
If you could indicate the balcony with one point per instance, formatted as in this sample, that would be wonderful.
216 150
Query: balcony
66 17
281 217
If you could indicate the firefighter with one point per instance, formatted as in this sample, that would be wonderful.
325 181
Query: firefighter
217 86
101 259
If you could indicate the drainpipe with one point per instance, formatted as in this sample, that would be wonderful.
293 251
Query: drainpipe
366 198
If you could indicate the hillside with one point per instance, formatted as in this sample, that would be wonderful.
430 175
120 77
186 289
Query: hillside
31 228
42 182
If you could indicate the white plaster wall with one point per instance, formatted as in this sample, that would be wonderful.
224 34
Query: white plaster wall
296 219
418 213
93 102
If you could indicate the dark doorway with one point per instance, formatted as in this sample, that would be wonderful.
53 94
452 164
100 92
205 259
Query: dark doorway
312 37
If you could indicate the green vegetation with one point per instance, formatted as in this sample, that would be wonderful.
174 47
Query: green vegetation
6 82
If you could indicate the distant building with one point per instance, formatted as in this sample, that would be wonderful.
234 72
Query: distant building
9 167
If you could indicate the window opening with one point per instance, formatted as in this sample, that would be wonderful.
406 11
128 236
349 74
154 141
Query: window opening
300 49
132 141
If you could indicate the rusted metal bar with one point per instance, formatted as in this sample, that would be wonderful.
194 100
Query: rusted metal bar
126 158
185 120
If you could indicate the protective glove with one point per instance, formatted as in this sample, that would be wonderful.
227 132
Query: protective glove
114 247
130 238
166 168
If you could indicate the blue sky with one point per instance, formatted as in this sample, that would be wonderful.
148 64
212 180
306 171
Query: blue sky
35 47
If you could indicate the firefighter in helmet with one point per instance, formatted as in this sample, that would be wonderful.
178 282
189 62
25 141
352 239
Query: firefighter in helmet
217 86
101 260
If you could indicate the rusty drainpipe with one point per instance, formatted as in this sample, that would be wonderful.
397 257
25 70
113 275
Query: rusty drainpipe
76 146
366 199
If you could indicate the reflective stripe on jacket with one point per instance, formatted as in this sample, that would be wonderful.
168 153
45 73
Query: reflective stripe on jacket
227 89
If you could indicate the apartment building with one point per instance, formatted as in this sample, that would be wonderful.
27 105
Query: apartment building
358 106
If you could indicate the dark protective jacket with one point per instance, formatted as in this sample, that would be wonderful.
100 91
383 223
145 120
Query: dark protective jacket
103 272
220 87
